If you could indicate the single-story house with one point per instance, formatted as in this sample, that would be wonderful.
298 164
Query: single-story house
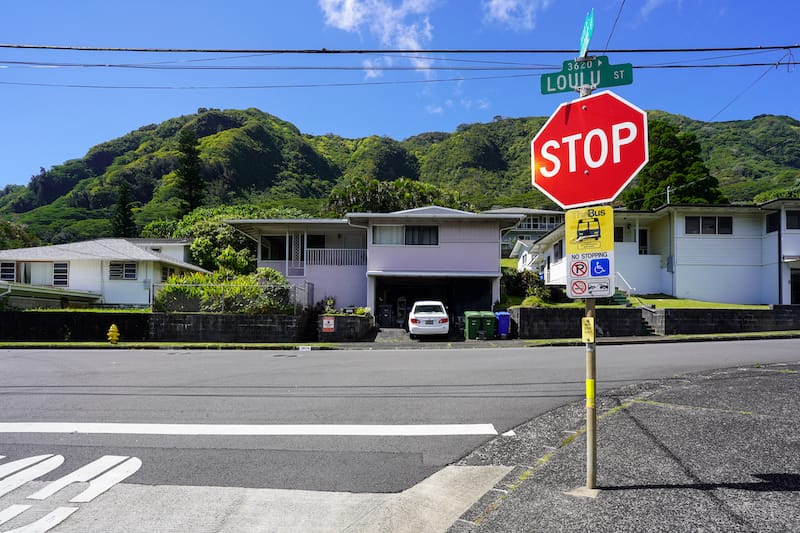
747 254
387 261
101 271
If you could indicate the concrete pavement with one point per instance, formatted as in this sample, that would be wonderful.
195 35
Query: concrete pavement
717 451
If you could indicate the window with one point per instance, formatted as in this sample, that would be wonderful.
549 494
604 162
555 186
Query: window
273 247
120 270
422 235
709 225
405 235
692 225
315 241
166 272
773 222
792 219
558 251
60 274
725 225
8 271
387 235
618 234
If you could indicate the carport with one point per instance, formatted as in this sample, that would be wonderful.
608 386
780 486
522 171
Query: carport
394 295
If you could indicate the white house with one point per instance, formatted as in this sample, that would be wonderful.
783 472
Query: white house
386 261
103 271
536 222
724 253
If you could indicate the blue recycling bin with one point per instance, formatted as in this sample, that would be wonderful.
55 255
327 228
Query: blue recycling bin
503 323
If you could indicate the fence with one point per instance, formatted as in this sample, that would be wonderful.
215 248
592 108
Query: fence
229 298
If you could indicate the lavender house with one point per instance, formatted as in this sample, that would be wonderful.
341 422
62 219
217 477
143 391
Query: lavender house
387 261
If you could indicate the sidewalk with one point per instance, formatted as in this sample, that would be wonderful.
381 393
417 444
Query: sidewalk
717 451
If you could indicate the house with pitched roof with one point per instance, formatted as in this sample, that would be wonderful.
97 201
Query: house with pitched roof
101 271
748 254
387 261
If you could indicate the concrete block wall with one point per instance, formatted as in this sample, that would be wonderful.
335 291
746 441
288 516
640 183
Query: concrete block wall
209 327
554 323
346 328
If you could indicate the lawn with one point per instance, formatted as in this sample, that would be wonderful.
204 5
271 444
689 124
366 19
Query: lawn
662 301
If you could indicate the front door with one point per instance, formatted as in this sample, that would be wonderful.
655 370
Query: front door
795 281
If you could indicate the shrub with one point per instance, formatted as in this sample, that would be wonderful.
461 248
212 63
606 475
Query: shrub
265 291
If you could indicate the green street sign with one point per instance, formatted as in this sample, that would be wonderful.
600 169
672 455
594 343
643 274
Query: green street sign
586 34
591 72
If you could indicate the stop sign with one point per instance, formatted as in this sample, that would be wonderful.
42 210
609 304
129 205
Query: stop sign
589 150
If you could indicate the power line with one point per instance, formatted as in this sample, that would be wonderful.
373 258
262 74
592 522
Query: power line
325 51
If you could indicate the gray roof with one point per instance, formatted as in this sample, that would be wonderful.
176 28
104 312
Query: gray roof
98 249
523 211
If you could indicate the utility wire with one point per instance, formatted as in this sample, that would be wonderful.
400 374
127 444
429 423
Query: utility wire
614 26
767 71
380 51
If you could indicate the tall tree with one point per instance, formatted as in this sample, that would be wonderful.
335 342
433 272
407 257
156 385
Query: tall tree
675 163
361 194
191 187
122 223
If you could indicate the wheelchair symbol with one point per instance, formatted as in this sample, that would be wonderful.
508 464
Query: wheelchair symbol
600 267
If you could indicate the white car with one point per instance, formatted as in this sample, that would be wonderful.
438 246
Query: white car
428 317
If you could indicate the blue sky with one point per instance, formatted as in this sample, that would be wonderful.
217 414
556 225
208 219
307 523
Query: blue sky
46 120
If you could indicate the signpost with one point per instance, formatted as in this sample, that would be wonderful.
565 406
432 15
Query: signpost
584 155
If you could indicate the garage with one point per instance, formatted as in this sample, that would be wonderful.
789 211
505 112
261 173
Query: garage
394 296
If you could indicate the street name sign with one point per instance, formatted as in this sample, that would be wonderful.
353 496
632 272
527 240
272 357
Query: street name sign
586 73
589 250
589 150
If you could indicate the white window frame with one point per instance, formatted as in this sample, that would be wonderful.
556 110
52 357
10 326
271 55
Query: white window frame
60 274
122 270
8 271
395 237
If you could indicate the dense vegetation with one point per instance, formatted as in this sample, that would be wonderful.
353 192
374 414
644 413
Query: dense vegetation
250 162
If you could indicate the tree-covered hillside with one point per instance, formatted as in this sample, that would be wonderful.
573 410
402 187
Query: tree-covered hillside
251 157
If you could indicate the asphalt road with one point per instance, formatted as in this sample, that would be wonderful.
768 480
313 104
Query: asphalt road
453 394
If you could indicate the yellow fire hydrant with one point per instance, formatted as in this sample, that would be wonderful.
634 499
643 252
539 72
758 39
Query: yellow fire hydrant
113 334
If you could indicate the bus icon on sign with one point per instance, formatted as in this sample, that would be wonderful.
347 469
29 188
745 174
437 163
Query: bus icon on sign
588 228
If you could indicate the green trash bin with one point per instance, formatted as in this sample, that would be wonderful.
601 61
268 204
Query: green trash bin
487 323
472 323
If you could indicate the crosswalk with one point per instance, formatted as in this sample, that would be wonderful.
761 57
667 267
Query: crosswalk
100 475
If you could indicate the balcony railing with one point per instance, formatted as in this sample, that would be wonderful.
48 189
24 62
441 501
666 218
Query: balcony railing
336 256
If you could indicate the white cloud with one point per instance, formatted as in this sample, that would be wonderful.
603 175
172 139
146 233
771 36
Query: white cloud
345 15
650 6
402 25
434 109
516 14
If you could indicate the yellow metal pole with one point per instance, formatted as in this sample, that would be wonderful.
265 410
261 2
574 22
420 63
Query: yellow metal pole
591 411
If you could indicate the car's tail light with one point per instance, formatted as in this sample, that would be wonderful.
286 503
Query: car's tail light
415 320
443 321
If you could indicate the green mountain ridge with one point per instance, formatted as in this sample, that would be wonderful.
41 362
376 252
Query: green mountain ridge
251 156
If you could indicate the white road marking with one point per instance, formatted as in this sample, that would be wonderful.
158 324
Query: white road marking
19 464
81 475
365 430
10 512
29 474
47 522
109 479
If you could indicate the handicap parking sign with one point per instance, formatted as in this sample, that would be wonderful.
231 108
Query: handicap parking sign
600 267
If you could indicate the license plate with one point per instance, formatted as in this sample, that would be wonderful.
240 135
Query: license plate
429 322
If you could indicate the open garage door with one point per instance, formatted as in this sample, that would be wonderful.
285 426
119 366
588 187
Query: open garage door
394 296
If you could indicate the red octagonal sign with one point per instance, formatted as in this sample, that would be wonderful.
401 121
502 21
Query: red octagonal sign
589 150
